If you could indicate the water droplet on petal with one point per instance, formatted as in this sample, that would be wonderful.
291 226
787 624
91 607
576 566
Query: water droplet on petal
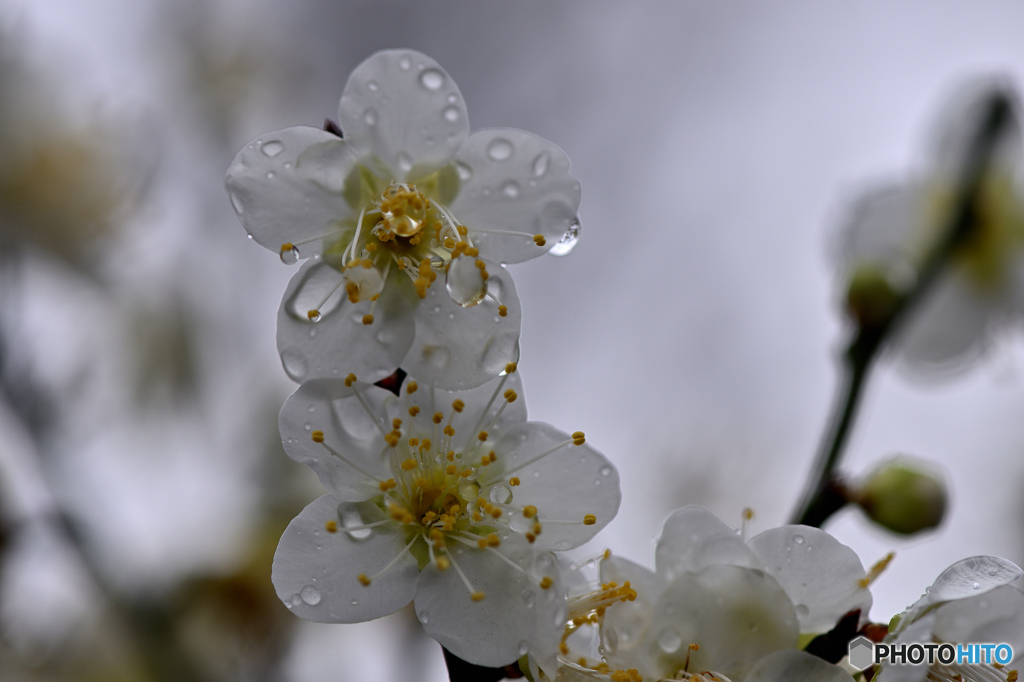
468 490
372 86
798 539
975 586
404 162
424 617
236 203
404 63
354 602
272 148
464 171
310 595
669 640
567 242
290 256
451 114
465 282
432 79
529 599
500 494
606 471
270 175
315 316
370 116
499 149
523 648
541 163
519 523
510 189
802 611
348 514
294 363
452 98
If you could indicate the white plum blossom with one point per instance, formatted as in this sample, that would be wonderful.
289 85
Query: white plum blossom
718 607
406 223
893 229
972 601
450 499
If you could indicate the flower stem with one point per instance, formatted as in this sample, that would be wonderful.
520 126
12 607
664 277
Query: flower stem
824 495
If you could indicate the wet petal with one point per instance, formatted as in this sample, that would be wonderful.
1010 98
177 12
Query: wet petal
565 486
328 406
550 607
496 630
402 114
286 186
796 666
692 538
921 631
997 616
736 615
459 348
514 181
820 574
973 576
881 229
316 572
339 342
626 628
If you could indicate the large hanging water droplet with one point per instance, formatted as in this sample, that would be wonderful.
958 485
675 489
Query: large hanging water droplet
465 281
499 149
432 79
519 523
272 148
610 640
541 163
669 640
290 255
500 494
350 517
468 490
294 363
567 242
310 595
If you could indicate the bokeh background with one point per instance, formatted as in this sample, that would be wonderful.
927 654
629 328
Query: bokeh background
693 334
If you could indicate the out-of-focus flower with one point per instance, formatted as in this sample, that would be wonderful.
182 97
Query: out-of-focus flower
903 495
972 601
716 606
892 231
451 498
407 196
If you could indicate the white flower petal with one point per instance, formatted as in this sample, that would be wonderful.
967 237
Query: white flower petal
286 186
497 630
564 486
626 628
692 538
327 405
402 114
820 574
514 181
550 607
997 617
316 572
796 666
919 632
459 348
736 615
881 229
973 576
339 343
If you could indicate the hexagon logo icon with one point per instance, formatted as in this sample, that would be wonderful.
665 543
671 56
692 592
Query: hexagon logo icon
862 652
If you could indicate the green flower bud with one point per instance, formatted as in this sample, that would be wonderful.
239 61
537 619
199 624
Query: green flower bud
870 296
904 495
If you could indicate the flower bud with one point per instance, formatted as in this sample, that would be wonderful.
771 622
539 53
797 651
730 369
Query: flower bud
870 296
903 496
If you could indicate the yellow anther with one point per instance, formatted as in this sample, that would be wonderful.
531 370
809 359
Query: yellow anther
451 469
529 511
480 264
396 423
413 442
438 417
511 395
511 367
695 647
578 438
449 243
477 596
387 485
493 540
392 438
458 405
349 380
442 563
409 464
536 528
539 240
482 435
531 537
462 230
482 543
366 263
449 430
317 436
313 315
371 247
436 536
876 570
495 512
331 526
589 520
450 456
401 264
607 554
411 387
582 662
467 473
472 252
748 513
514 481
367 318
1011 676
564 648
502 310
425 444
546 582
492 457
414 410
364 580
287 246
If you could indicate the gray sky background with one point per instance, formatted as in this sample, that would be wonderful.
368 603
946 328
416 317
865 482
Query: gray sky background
693 333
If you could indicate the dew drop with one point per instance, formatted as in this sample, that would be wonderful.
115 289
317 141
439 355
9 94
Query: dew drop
404 162
519 523
567 242
975 586
272 148
432 79
669 640
500 494
499 149
294 363
290 256
464 171
798 539
468 490
310 595
510 189
315 316
451 114
307 426
354 602
312 333
424 617
288 165
802 611
452 98
465 282
529 598
372 86
236 203
606 471
404 63
523 648
541 163
370 116
249 236
350 517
